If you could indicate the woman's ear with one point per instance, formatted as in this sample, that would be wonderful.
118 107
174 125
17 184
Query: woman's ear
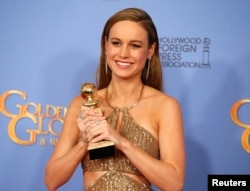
151 50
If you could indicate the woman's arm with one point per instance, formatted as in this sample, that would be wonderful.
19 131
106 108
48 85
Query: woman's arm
167 173
68 152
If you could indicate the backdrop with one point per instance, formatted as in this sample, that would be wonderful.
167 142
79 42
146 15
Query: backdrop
49 48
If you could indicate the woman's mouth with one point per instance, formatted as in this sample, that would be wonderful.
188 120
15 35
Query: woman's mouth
123 64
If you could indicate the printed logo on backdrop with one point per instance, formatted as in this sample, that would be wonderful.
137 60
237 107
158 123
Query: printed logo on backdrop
31 123
185 52
240 108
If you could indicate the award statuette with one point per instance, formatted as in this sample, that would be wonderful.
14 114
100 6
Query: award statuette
102 148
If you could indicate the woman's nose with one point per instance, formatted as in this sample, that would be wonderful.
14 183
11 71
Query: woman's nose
124 51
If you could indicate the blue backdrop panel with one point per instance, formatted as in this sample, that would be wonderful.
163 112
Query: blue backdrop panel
48 48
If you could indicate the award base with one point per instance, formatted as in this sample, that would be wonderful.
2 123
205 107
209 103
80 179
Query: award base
101 149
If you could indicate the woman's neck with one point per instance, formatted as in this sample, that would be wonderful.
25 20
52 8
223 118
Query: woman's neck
124 94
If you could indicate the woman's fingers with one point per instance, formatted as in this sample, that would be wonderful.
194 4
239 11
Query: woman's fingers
87 111
101 130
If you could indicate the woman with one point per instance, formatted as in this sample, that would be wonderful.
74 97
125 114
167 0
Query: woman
144 123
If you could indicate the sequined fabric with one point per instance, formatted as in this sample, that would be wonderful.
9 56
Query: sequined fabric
116 181
120 163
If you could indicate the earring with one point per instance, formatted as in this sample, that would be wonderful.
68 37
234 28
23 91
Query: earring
148 68
106 67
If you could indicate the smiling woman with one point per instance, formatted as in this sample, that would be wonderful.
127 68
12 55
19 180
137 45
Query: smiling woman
149 140
127 50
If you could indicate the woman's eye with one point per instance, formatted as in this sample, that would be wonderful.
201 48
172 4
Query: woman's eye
115 43
135 45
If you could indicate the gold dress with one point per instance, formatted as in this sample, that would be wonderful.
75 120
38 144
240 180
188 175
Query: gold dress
114 179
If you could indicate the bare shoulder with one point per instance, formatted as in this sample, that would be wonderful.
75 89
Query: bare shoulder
77 99
162 101
166 109
73 108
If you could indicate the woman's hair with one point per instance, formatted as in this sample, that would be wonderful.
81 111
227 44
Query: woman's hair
141 17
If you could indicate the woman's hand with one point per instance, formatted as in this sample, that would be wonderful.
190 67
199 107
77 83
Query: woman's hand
88 118
94 127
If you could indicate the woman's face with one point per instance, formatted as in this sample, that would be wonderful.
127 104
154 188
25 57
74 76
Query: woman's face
127 49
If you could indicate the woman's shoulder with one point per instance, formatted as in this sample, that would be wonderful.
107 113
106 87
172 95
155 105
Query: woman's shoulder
76 102
160 99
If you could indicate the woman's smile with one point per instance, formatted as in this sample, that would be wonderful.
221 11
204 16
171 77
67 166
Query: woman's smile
123 64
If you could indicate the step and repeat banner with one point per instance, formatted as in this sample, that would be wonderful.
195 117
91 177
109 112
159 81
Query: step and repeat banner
49 48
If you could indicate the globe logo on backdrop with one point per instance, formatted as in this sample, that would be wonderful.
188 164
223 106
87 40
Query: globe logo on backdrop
185 52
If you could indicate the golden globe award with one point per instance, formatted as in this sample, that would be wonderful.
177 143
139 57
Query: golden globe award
103 148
